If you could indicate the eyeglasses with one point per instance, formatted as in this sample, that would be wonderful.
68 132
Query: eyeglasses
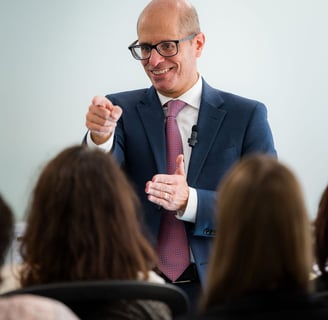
164 48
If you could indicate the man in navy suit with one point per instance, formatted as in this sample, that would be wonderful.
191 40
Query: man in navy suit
131 124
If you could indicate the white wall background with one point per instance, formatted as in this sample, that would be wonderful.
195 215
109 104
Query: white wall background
56 55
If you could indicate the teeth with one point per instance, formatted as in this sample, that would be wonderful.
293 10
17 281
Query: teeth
160 71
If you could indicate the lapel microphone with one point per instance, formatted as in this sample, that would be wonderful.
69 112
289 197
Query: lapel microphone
193 137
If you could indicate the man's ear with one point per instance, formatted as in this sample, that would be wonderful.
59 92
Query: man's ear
200 42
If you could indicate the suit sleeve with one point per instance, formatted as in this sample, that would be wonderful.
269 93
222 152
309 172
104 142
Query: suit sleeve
256 138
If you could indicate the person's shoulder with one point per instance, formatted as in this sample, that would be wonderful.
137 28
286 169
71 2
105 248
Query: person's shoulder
130 98
315 311
321 283
135 309
129 95
29 306
230 99
236 99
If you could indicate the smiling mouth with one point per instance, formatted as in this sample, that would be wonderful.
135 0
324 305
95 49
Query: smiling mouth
160 72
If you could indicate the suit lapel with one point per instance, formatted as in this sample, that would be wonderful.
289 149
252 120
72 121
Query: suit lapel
209 122
153 123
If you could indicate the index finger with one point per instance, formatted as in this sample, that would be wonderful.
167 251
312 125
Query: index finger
102 101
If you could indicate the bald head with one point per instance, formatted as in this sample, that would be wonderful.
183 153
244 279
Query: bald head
185 14
175 21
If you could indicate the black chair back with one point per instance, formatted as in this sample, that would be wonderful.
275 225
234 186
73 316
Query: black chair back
80 293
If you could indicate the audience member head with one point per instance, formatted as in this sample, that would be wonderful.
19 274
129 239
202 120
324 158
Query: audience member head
263 233
321 233
7 230
83 223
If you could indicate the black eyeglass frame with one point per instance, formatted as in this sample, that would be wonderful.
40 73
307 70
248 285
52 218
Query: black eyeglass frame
134 45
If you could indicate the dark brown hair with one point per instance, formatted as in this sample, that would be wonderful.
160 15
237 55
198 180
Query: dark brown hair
321 232
7 230
82 223
263 237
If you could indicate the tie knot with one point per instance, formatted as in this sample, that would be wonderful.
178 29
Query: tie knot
174 107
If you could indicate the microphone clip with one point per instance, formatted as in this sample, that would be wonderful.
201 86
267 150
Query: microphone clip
193 137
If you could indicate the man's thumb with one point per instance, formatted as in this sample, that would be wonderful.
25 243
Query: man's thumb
180 165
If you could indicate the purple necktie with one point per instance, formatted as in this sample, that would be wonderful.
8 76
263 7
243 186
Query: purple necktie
173 248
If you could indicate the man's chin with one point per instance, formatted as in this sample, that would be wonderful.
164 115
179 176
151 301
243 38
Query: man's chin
163 85
163 89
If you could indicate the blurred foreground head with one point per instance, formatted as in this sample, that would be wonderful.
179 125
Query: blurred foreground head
263 237
83 222
6 230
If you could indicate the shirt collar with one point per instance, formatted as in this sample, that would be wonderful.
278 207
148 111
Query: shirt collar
192 97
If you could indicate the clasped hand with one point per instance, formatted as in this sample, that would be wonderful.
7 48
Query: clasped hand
170 191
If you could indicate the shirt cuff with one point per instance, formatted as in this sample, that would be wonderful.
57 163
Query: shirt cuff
106 146
189 215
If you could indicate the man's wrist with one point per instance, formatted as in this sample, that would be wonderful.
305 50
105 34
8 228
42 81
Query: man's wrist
189 214
99 138
106 146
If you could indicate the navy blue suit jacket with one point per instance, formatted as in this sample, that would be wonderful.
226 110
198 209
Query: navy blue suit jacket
229 127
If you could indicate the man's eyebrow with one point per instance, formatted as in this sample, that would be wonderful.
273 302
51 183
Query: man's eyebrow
144 44
149 44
